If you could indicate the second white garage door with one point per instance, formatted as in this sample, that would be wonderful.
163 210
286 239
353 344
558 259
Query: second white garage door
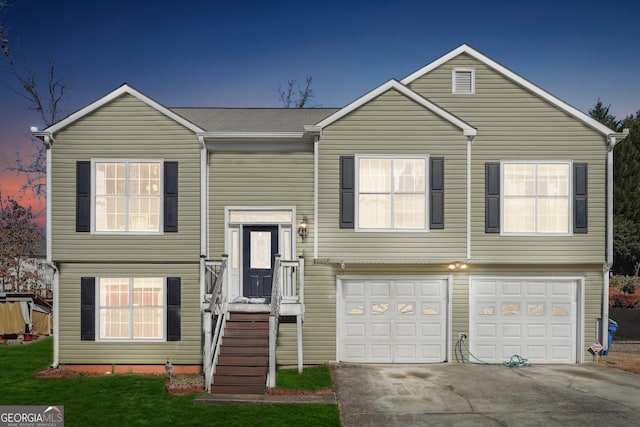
400 320
533 318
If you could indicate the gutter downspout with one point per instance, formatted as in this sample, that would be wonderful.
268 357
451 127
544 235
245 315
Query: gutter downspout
609 259
204 175
316 138
48 142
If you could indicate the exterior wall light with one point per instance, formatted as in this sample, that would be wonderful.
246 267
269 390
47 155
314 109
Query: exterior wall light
457 266
302 228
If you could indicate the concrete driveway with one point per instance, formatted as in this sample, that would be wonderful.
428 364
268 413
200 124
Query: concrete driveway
476 395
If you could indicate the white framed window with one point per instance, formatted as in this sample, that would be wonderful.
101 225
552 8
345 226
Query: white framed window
536 198
127 196
463 81
391 193
131 308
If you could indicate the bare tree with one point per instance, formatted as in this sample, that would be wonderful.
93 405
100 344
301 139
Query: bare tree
293 96
19 237
44 99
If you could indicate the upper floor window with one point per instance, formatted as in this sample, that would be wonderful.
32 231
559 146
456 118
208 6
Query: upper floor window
131 308
391 193
463 81
536 198
128 196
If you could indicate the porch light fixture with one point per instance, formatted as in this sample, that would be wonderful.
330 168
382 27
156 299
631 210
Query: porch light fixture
302 228
457 266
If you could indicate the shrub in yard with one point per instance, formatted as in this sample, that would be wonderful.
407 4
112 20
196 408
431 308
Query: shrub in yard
624 301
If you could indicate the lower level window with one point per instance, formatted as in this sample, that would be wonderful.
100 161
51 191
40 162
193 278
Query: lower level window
131 308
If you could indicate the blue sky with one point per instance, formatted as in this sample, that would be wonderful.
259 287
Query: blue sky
234 53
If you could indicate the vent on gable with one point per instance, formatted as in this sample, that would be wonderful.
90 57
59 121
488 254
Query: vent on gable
463 80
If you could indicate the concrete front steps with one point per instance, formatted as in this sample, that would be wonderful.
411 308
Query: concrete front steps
244 355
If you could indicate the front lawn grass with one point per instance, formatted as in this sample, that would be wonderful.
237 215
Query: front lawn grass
316 378
132 400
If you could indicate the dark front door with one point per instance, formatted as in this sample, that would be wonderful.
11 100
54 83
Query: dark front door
260 244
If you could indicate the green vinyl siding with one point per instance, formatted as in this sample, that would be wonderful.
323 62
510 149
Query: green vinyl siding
515 124
125 128
392 124
249 179
74 351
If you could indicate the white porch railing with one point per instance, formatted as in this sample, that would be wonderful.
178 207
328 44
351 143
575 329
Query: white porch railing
215 271
286 299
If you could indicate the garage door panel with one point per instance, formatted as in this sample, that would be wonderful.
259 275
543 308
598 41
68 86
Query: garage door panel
353 289
536 289
381 353
381 330
431 329
540 323
406 330
512 288
393 321
355 351
511 330
536 330
561 331
484 330
405 289
380 289
355 330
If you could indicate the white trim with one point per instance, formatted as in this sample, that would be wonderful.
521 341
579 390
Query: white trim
315 196
454 88
609 207
466 49
48 193
604 324
250 135
161 197
449 319
569 232
204 191
130 308
468 180
394 84
122 90
357 193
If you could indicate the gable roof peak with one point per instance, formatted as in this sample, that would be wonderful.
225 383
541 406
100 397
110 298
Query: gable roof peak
519 80
466 128
123 89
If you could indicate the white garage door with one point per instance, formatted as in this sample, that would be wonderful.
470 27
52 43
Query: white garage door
393 320
533 318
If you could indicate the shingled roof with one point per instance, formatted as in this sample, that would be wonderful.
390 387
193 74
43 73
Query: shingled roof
253 119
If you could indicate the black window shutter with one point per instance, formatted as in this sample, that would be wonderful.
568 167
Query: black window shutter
88 309
171 197
492 198
347 194
173 309
580 193
83 196
436 190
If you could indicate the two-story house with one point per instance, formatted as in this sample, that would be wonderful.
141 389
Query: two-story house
460 201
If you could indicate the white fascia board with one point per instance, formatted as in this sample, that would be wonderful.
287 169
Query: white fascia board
467 129
252 135
594 124
122 90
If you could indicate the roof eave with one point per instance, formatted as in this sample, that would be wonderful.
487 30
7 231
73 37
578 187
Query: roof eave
466 128
572 111
122 90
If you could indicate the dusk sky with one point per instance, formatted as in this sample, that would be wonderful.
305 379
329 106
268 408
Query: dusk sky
238 53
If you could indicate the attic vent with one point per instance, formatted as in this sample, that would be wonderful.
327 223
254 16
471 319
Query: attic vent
463 80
